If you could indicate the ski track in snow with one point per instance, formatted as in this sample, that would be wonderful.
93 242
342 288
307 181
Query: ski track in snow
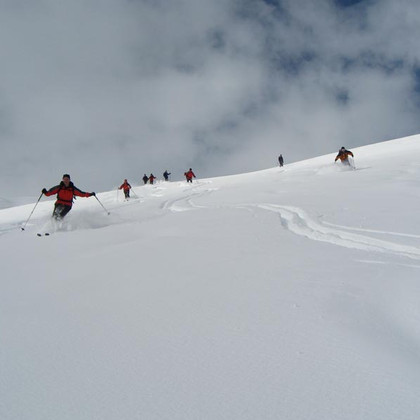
175 206
297 221
383 232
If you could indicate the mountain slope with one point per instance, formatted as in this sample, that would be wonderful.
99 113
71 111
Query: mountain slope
287 293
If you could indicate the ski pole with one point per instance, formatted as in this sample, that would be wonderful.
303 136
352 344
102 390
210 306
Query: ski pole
102 205
24 226
134 193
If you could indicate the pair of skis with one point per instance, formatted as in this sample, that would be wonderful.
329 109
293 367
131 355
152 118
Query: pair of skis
52 224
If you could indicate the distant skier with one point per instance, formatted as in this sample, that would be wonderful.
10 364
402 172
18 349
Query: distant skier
166 175
145 179
151 178
189 175
343 155
281 161
126 187
65 193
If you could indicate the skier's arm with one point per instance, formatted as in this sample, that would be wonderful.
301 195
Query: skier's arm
51 191
80 193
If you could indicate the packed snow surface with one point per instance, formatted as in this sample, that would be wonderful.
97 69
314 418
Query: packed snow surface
289 293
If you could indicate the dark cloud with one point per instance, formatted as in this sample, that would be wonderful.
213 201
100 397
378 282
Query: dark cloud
348 3
110 90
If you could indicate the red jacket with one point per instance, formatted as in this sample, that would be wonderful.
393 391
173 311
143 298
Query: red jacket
65 194
125 186
189 174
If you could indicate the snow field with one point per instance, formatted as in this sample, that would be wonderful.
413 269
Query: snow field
290 293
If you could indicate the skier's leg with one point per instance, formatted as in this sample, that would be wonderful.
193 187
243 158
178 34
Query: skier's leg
60 210
65 211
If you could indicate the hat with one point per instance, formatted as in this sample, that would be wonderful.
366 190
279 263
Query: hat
66 176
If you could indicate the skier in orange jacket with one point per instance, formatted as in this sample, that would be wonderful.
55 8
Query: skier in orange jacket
65 191
343 155
126 187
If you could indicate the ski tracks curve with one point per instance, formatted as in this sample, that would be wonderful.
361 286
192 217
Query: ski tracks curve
186 203
299 222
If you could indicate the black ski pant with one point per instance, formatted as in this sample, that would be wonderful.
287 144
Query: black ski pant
60 210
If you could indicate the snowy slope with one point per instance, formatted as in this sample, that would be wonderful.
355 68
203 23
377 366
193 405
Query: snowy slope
290 293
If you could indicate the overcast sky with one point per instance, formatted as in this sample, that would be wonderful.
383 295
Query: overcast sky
113 89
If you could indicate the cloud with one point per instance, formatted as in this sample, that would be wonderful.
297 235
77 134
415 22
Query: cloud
110 90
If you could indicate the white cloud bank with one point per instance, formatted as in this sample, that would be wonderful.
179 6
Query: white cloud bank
107 90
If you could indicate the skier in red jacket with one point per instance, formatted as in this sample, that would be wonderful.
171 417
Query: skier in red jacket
126 187
189 175
151 178
65 192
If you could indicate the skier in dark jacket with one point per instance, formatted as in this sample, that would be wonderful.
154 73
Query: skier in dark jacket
166 175
281 161
65 193
126 187
343 155
145 179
